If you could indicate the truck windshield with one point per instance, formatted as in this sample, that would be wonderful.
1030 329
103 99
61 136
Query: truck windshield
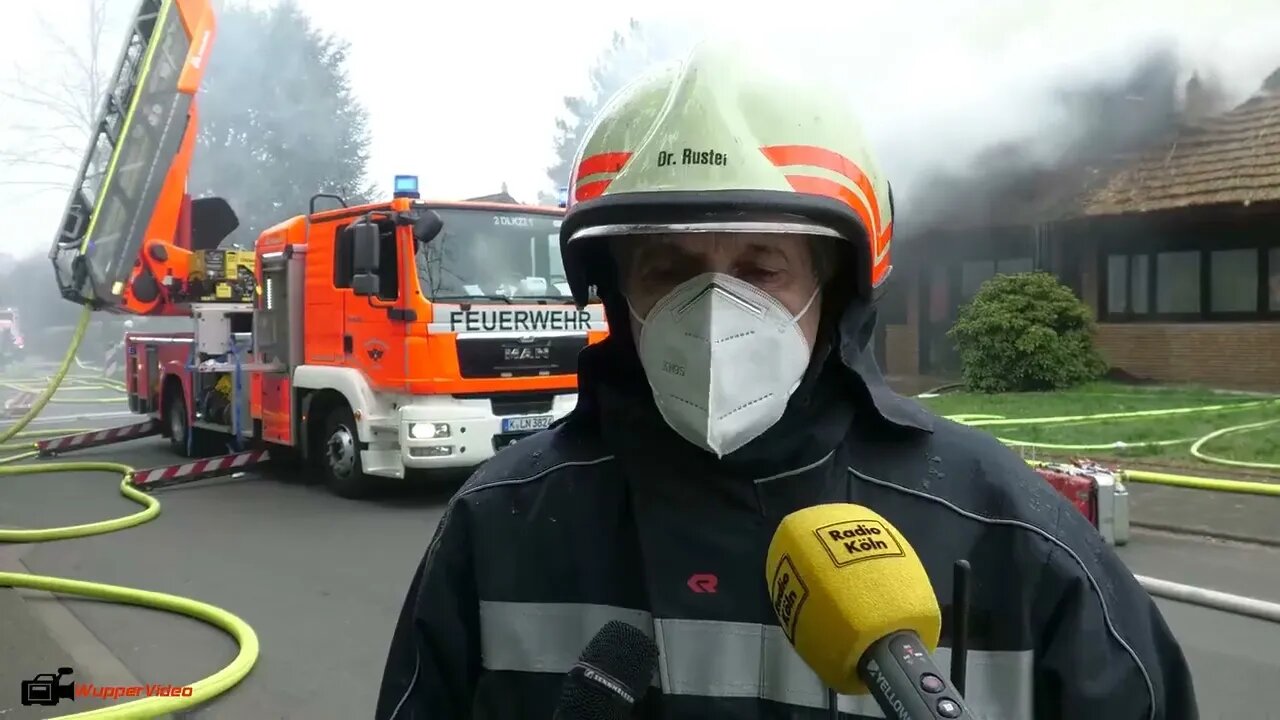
494 255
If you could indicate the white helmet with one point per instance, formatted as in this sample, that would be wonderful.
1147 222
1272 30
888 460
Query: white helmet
711 137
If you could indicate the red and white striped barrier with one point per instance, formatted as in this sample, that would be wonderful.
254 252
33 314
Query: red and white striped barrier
95 438
198 469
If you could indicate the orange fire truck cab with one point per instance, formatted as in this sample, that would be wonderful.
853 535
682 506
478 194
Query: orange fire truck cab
373 340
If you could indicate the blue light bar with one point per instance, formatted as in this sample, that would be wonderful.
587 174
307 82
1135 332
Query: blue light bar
562 197
406 186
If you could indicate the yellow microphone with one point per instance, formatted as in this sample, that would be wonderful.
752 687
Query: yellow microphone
857 605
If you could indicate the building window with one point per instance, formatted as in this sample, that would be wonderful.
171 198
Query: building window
893 307
1013 266
1232 284
1273 263
1117 284
1178 282
1233 281
1128 284
1140 281
973 274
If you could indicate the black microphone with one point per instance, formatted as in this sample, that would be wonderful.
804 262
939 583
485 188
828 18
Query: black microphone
907 684
611 676
899 663
960 623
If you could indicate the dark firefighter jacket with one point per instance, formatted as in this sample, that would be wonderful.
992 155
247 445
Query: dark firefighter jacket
609 515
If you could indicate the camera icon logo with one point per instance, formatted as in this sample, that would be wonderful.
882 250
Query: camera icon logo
47 689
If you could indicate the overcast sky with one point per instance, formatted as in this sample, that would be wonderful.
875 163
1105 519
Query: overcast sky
931 84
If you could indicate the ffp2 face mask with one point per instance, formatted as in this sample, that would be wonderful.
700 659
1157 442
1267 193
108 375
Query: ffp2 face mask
723 358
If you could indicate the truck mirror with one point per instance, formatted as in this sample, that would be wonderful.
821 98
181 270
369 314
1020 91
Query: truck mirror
365 285
427 227
365 246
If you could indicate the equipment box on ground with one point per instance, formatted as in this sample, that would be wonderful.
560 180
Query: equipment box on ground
1098 493
1078 489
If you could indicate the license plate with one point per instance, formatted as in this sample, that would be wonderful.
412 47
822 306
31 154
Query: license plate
526 424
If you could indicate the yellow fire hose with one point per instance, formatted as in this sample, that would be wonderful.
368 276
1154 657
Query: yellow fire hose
202 690
1246 487
988 420
1146 476
76 385
70 382
1195 449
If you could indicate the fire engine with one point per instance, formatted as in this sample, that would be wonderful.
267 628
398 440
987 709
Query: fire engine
365 340
372 340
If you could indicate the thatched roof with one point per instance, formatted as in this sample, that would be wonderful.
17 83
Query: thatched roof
1230 158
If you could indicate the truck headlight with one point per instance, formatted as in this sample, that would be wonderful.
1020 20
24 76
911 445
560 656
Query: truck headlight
428 431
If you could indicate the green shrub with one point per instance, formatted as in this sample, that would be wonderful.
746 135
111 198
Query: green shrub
1026 332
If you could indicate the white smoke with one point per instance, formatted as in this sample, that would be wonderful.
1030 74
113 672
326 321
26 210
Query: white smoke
936 83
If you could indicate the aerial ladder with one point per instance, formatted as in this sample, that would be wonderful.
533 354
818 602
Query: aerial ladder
128 226
130 229
348 338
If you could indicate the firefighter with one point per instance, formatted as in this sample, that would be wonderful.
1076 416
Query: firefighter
739 232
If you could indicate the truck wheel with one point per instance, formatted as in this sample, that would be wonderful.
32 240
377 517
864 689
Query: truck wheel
339 455
175 415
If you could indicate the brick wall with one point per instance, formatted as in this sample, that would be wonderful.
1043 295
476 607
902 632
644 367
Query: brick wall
1242 356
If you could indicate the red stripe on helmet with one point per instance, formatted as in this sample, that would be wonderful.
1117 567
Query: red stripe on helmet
593 189
879 241
608 162
813 156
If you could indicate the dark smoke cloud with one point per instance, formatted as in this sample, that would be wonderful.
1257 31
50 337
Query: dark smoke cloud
1040 179
986 111
974 106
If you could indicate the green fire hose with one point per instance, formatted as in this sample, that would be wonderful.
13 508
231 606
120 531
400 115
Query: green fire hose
202 690
1147 476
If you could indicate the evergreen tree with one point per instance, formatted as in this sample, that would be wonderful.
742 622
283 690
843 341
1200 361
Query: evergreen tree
278 120
632 52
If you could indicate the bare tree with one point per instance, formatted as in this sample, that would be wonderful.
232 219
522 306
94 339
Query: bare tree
54 102
57 111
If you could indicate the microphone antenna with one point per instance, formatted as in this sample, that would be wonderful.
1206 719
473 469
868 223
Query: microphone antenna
833 704
960 623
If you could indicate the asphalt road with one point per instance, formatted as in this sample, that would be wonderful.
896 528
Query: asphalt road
321 580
